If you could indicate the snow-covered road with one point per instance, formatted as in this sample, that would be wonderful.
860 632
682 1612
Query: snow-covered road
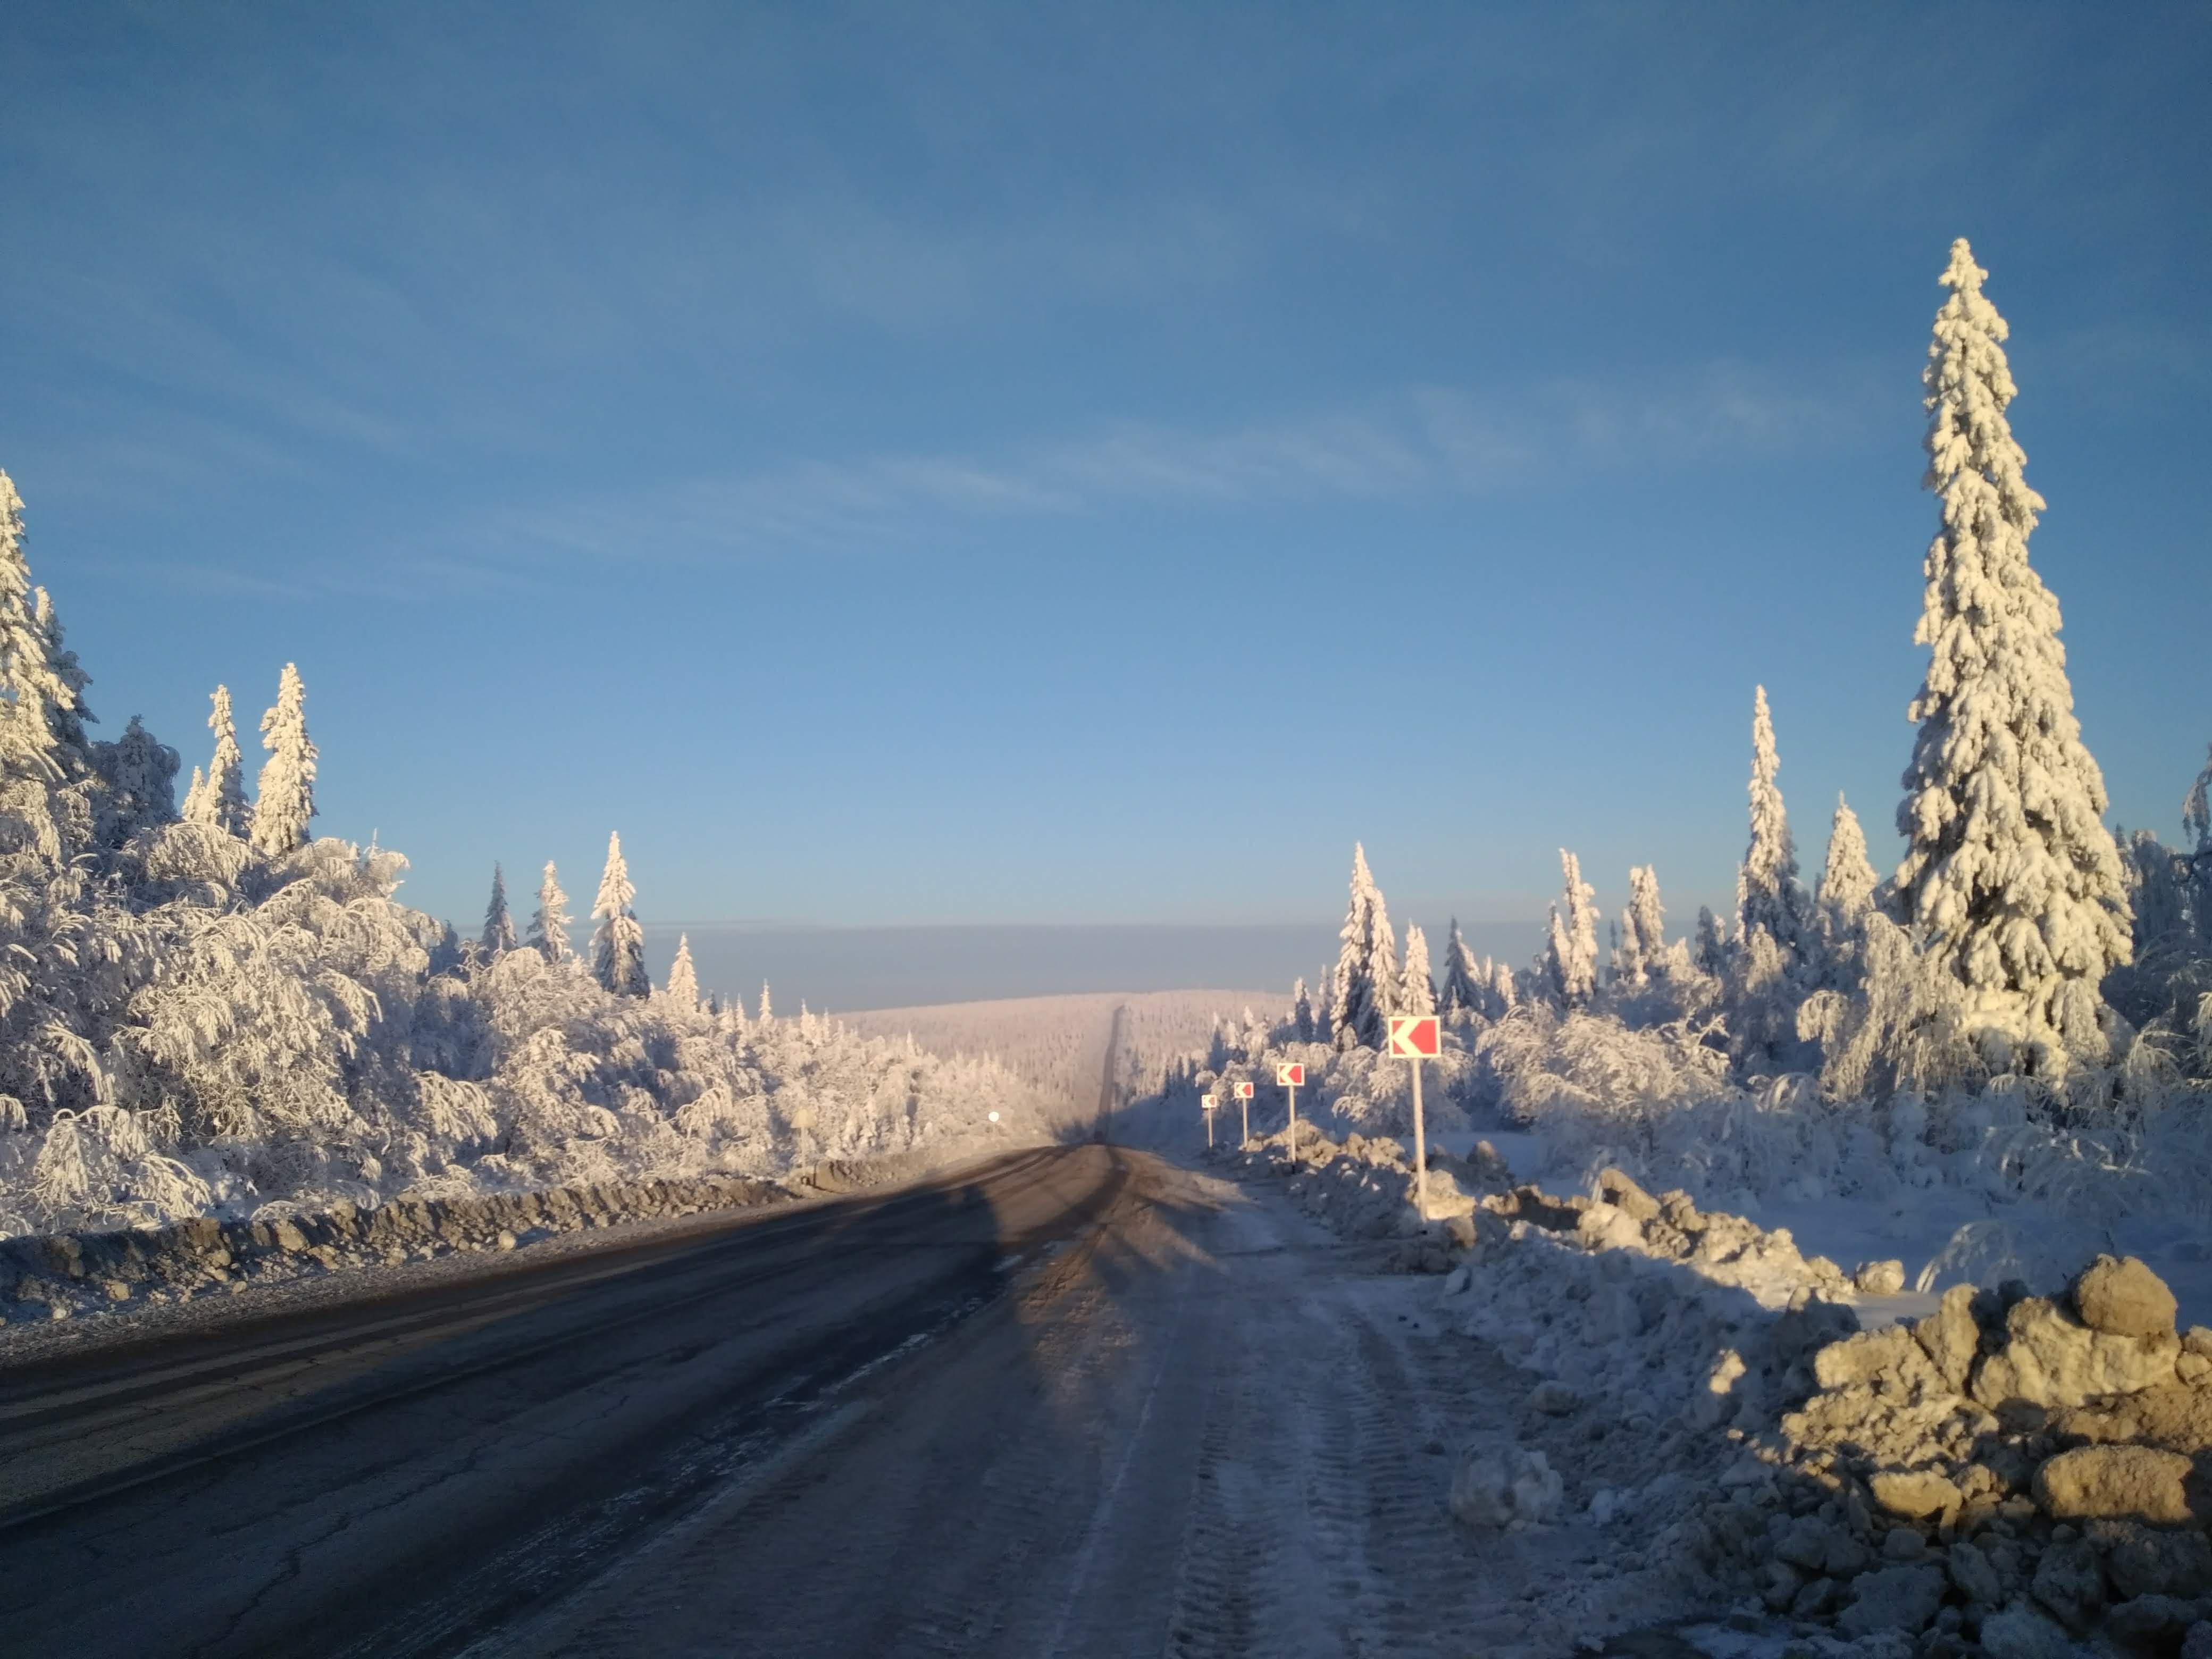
1078 1402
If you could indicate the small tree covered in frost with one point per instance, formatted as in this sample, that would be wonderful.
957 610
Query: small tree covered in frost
1711 952
1847 879
682 988
2197 826
1843 903
33 691
1465 988
549 927
284 796
2010 878
1302 1011
1644 929
138 780
1504 993
498 935
1767 969
220 801
1570 951
68 712
767 1006
1365 982
617 943
1417 992
1768 894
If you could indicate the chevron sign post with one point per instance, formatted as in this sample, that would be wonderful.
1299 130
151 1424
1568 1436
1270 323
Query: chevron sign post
1208 1103
1416 1038
1244 1108
1288 1075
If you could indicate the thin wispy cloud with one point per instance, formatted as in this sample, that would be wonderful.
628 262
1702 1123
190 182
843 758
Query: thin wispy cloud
1428 443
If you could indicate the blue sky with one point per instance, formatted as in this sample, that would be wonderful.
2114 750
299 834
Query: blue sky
906 465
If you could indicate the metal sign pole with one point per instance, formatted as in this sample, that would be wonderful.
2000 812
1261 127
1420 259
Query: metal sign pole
1420 1151
1292 1089
1244 1110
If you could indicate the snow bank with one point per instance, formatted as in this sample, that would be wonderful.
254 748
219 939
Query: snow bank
60 1275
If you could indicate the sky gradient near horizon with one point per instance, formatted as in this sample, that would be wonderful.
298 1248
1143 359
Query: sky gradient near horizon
1003 464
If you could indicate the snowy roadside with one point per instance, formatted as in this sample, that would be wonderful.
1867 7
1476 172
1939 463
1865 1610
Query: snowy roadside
2008 1474
77 1292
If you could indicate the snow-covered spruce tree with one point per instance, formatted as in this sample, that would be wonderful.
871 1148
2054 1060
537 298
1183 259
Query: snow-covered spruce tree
2196 827
1768 969
1365 981
34 692
1711 952
617 943
138 785
1767 892
498 936
284 795
682 987
72 747
767 1006
549 927
1644 929
1302 1011
1504 994
1464 991
1417 992
1570 951
2010 879
1842 904
220 802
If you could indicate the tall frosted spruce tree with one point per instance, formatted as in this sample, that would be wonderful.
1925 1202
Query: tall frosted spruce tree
2010 879
1643 928
1767 971
1847 880
549 927
34 697
682 987
2197 828
1417 992
219 801
1466 987
284 795
1366 981
617 943
1570 951
498 936
1767 894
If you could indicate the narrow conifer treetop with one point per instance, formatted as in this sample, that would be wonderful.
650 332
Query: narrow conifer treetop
1768 897
220 802
1644 928
1417 992
682 988
498 936
618 943
33 691
1847 880
1364 983
285 797
1465 985
2009 878
549 927
2197 808
1571 952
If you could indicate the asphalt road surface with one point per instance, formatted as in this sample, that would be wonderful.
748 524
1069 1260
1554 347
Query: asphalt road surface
1076 1400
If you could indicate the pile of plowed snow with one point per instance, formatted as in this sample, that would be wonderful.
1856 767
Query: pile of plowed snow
2014 1474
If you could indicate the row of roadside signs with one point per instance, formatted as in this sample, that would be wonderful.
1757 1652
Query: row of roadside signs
1415 1037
